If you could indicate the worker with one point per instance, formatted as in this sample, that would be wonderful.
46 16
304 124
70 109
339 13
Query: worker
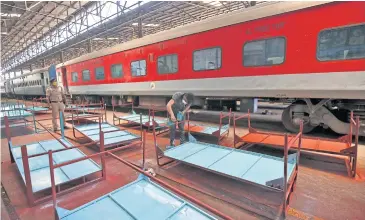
177 107
57 99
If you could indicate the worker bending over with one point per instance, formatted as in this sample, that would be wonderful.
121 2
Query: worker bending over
56 98
177 107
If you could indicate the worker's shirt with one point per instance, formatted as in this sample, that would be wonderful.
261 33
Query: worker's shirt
55 94
178 105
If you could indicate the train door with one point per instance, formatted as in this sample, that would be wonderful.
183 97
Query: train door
64 79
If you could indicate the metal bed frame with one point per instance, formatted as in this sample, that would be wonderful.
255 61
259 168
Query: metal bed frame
136 119
8 106
341 146
220 132
15 113
31 164
115 136
38 106
139 204
204 156
88 109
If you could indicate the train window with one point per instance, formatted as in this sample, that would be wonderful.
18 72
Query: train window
85 75
99 73
117 70
138 68
207 59
47 82
264 52
167 64
74 76
341 43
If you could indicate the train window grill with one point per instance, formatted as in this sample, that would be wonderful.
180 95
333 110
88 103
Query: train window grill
207 59
138 68
117 70
99 73
74 77
343 43
167 64
264 52
86 75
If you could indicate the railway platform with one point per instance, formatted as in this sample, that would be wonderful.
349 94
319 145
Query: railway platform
322 180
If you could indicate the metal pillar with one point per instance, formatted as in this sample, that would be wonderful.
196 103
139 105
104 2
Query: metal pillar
62 57
62 125
139 31
89 46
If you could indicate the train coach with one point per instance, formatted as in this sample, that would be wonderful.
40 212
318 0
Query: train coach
310 52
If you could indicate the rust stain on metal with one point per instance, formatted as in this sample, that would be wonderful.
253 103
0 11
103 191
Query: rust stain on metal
301 215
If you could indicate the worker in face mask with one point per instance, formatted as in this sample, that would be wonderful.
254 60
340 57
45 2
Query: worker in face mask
57 99
177 107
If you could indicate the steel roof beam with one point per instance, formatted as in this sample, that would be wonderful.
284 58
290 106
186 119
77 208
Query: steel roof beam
52 21
98 33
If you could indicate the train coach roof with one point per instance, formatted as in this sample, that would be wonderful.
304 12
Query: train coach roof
42 70
259 11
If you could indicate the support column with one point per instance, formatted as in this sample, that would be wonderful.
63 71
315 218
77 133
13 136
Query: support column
248 104
44 63
139 31
89 46
61 57
31 68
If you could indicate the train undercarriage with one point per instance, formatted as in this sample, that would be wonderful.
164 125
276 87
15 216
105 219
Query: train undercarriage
326 113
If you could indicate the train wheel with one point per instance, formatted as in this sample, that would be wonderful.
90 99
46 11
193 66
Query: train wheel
290 120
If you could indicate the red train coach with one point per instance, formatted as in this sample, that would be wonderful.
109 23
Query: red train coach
313 52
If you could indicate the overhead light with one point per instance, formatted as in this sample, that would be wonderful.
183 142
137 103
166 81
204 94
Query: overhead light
215 4
32 6
152 25
4 33
11 15
146 25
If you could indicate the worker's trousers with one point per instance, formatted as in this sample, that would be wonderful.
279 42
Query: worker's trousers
57 107
180 125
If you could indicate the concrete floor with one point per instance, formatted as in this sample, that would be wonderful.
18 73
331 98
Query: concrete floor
323 190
